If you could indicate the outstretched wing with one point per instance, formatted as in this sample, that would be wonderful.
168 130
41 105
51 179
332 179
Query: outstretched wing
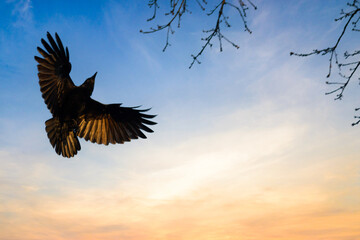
54 69
112 123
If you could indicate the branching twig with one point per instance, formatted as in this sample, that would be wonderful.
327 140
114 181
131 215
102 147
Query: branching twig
176 12
153 3
358 117
331 50
216 31
179 7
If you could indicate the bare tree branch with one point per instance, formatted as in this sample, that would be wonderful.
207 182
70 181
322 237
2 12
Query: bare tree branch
179 7
350 15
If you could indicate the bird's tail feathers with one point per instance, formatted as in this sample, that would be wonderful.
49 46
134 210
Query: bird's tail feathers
62 138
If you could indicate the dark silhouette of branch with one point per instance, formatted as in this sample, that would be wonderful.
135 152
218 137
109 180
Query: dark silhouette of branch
153 3
358 117
179 7
351 17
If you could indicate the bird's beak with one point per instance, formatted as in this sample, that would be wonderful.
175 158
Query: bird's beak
94 75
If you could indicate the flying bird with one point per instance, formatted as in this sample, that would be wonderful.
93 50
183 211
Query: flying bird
75 113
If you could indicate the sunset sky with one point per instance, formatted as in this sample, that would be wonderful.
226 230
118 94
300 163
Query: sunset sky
247 145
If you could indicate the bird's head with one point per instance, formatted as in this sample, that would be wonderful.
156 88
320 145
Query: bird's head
89 84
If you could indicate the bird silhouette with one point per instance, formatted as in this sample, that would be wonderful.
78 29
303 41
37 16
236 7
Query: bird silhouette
75 113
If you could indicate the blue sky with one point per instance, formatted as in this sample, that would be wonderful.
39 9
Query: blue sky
244 138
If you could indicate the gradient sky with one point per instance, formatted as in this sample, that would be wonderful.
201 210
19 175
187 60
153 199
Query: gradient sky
247 145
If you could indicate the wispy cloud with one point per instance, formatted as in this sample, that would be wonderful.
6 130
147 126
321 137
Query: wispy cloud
22 12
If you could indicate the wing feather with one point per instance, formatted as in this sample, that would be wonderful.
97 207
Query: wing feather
99 131
67 54
113 135
88 129
82 128
44 63
93 131
122 132
47 57
59 43
65 149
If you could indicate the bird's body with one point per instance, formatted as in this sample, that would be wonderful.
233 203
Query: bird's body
74 103
75 113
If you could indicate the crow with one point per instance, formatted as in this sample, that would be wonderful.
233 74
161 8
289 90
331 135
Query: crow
75 113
